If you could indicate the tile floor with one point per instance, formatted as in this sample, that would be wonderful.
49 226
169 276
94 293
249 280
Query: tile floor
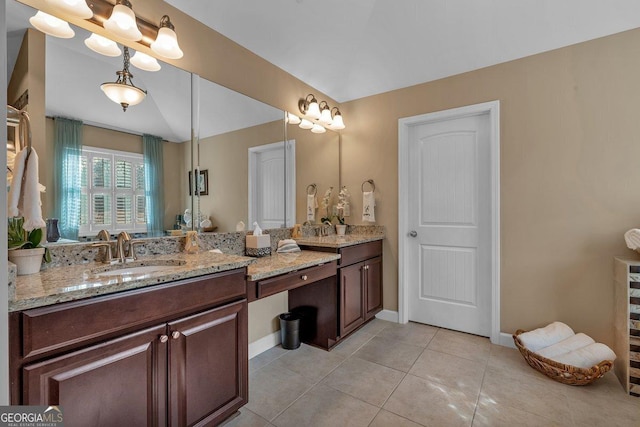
388 374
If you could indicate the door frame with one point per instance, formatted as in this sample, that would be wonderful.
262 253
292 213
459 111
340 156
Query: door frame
492 108
289 148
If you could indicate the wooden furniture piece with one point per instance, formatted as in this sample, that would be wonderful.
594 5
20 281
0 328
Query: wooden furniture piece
357 295
172 354
627 324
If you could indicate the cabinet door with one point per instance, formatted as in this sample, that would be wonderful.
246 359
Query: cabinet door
373 276
351 298
208 366
118 383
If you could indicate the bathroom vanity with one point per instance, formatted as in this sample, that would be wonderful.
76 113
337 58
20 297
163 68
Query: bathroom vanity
172 353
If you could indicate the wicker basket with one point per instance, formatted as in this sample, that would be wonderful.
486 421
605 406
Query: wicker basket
560 372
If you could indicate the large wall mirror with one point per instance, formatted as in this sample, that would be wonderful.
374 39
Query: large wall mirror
251 166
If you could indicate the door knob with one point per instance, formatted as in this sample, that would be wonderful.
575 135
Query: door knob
413 233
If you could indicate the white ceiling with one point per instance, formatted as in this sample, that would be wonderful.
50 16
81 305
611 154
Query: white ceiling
352 49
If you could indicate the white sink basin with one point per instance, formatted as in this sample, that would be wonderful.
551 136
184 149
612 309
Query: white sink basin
144 269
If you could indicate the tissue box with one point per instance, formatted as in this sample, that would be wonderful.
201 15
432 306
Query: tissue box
258 246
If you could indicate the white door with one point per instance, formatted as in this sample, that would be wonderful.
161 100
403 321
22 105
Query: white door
267 190
448 246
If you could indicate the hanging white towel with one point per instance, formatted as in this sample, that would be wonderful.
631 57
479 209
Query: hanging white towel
368 206
312 205
24 193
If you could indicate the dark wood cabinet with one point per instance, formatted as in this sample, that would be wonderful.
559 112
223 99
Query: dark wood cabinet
138 363
352 296
355 299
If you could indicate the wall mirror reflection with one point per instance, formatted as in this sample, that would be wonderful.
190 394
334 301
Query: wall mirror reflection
255 171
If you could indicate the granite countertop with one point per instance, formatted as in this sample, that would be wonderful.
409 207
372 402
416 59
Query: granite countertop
335 241
80 281
278 264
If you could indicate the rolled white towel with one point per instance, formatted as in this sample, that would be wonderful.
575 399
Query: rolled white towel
572 343
215 251
586 357
632 238
545 337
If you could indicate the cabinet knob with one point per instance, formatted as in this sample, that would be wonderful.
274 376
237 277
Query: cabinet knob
175 335
164 338
304 277
366 267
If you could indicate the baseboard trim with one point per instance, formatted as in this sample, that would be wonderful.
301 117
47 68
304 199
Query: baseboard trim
506 340
264 344
391 316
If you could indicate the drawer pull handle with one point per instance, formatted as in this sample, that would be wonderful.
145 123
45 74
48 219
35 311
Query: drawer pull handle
304 277
175 335
164 338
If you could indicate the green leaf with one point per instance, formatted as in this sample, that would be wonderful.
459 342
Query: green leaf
47 255
35 237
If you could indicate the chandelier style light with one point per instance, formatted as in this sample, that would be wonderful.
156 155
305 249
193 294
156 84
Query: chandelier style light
123 91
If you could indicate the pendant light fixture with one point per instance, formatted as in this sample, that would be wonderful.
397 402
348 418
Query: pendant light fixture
77 8
325 114
102 45
123 91
317 116
122 22
145 62
51 25
309 107
166 43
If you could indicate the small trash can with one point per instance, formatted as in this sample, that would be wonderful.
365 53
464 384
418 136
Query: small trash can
290 331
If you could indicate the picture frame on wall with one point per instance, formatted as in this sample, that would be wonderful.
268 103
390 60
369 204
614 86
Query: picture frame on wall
203 183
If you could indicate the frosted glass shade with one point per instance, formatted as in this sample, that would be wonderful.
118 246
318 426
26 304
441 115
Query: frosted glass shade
77 8
102 45
145 62
166 44
123 94
337 123
51 25
318 129
325 117
313 110
122 23
293 119
305 124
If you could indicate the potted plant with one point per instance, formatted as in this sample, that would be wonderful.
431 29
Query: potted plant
342 209
24 247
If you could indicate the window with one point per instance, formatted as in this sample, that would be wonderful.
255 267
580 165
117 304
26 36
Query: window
113 194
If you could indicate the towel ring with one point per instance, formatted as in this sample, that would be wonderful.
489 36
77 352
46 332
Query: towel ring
369 181
313 188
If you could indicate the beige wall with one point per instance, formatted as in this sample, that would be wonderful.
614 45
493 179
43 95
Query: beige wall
569 177
93 136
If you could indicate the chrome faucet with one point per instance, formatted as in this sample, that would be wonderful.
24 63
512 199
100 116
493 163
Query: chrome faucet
123 237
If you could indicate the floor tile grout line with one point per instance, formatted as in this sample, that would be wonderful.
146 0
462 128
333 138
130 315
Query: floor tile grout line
484 373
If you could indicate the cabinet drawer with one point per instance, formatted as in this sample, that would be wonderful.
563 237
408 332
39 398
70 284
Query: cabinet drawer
65 326
357 253
295 279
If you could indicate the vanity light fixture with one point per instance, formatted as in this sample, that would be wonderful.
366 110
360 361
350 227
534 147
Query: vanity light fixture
145 62
102 45
122 22
318 128
337 122
309 107
305 124
51 25
123 91
166 43
77 8
292 119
